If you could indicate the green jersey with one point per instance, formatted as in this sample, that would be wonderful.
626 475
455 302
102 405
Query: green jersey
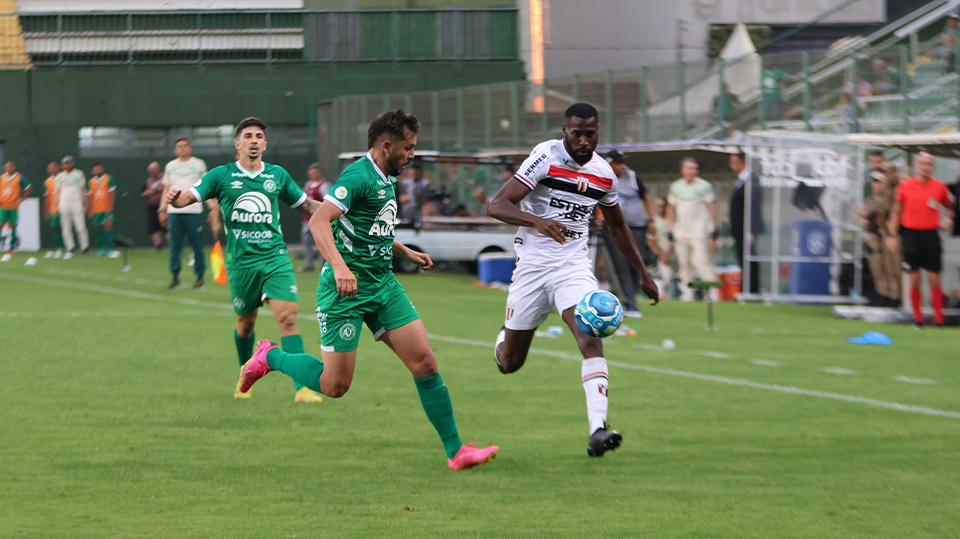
365 232
251 215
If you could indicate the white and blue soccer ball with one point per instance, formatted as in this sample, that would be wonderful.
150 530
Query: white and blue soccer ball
599 314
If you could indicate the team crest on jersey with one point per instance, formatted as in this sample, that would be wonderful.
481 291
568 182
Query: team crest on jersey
582 184
386 222
269 186
236 184
252 208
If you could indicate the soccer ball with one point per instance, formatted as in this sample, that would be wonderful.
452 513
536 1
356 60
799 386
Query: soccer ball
599 314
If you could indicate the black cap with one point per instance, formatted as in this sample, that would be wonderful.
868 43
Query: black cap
417 164
616 156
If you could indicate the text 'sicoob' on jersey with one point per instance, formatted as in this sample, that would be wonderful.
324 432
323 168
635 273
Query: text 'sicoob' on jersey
251 215
564 191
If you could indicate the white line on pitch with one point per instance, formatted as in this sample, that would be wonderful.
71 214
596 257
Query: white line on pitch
706 377
708 353
765 362
922 381
736 382
838 370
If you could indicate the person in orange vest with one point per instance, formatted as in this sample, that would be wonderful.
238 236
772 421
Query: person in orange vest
14 187
102 190
51 213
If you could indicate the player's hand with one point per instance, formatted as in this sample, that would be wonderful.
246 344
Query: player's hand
652 228
946 223
421 259
346 282
650 288
892 244
172 195
553 229
162 217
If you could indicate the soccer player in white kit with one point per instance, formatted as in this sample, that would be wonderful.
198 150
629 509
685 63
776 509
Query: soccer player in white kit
558 187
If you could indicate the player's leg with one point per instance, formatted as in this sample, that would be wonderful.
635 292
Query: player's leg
528 305
936 296
279 287
108 234
66 224
933 263
571 285
12 223
684 260
80 225
57 232
912 261
97 223
177 231
195 235
704 266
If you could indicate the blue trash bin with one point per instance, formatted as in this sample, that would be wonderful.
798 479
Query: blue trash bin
496 267
811 238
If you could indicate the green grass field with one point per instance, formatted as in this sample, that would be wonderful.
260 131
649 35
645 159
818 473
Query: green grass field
118 420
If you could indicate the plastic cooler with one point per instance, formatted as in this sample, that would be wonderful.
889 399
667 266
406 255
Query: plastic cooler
811 238
732 278
496 267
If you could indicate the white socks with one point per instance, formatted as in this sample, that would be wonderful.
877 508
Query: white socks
594 376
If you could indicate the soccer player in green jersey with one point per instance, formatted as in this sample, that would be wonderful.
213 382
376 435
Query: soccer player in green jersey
357 286
258 267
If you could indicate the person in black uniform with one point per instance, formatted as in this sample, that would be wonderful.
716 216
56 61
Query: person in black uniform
738 164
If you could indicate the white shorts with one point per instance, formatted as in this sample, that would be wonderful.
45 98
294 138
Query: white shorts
536 290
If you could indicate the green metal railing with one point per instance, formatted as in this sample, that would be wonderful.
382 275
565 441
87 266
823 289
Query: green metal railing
460 34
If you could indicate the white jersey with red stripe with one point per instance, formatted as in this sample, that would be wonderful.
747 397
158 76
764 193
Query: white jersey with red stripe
564 191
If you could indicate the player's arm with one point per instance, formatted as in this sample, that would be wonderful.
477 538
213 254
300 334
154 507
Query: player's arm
623 237
309 206
712 208
671 219
323 236
504 208
893 226
178 198
111 194
421 259
26 192
213 217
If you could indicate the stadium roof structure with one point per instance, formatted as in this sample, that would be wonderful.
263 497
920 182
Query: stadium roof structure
939 144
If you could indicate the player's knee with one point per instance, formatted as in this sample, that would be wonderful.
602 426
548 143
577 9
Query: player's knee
288 323
425 364
335 390
245 328
508 362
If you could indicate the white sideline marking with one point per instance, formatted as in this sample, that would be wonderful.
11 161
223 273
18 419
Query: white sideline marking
838 370
736 382
924 381
656 347
708 353
766 362
706 377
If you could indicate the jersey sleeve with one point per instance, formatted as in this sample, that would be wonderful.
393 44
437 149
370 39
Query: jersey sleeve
535 167
946 197
24 183
612 198
111 182
207 186
290 193
166 175
708 195
350 188
671 198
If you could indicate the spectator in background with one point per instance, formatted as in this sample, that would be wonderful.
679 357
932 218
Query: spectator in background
180 174
725 105
692 221
102 190
484 199
877 163
658 240
732 134
316 188
415 191
771 84
948 41
153 192
742 239
636 208
14 188
51 213
72 203
884 73
873 213
915 219
506 175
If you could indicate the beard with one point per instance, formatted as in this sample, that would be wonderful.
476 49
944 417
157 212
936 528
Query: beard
395 165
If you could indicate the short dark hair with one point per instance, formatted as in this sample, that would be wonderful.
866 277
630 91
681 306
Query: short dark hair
250 122
391 123
186 139
98 164
581 110
686 158
742 156
509 168
878 153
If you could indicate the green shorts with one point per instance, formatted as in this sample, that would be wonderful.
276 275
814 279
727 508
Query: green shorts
55 221
9 216
251 287
100 218
382 309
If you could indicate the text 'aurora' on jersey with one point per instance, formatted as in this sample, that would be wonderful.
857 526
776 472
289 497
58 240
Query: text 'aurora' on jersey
566 192
249 202
365 232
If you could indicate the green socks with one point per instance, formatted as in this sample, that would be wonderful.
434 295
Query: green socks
244 346
293 344
58 239
13 239
108 239
303 368
100 239
436 403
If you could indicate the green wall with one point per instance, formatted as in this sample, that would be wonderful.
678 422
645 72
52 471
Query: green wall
44 108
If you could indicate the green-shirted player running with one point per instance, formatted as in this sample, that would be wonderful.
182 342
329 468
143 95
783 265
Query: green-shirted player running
258 267
357 286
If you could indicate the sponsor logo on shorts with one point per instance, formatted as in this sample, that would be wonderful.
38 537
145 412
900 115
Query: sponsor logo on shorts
238 303
340 192
269 186
347 331
293 289
252 208
322 318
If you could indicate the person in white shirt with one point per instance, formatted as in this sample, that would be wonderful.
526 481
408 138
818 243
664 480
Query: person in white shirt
692 221
180 175
557 189
72 202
